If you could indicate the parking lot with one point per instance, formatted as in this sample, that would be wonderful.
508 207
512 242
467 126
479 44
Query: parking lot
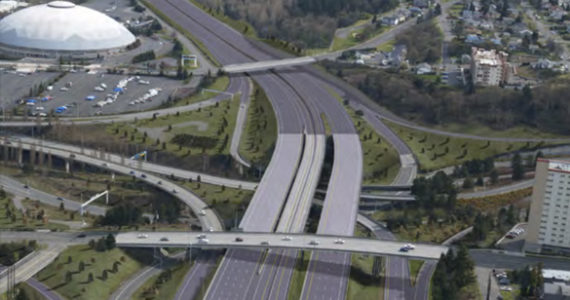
85 94
93 94
514 239
14 86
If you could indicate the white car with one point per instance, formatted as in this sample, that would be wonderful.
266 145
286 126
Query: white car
40 108
203 241
142 236
314 242
287 238
202 213
339 241
410 246
266 243
201 236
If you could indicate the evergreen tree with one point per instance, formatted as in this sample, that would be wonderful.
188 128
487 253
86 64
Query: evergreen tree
517 166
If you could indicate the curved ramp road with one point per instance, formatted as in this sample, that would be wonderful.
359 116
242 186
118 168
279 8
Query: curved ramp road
246 90
208 221
65 150
17 188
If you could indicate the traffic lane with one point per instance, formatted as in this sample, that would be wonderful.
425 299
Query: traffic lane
397 278
423 281
500 190
17 188
183 13
195 278
264 240
208 219
291 117
341 202
321 101
46 292
260 286
221 30
234 274
497 260
66 150
265 206
282 281
327 276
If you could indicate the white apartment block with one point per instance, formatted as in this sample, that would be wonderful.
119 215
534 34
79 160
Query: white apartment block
549 218
488 67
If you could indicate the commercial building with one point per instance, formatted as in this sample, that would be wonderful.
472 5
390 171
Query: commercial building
488 67
556 284
549 225
61 29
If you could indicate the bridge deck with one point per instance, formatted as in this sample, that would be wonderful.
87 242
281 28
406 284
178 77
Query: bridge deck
255 240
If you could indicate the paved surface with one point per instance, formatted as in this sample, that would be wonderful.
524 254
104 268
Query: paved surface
17 85
500 190
233 87
483 283
127 288
98 158
193 283
266 65
43 289
17 188
31 264
208 220
276 240
245 95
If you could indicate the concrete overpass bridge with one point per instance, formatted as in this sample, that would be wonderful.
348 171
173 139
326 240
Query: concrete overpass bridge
254 240
268 64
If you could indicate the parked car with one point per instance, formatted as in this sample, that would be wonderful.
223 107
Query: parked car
239 239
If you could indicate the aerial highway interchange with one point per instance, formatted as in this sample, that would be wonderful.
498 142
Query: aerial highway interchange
262 253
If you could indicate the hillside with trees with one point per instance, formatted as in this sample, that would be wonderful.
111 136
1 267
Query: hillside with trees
407 95
304 23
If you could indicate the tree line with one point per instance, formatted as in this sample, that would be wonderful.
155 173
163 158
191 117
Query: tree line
543 107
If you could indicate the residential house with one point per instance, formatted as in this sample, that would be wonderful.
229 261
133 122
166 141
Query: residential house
423 68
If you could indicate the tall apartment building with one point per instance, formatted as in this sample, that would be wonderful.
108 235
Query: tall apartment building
549 218
488 67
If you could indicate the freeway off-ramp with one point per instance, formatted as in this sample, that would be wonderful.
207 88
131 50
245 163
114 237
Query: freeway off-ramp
255 240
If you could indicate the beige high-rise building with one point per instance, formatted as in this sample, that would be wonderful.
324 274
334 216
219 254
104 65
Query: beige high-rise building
549 224
488 67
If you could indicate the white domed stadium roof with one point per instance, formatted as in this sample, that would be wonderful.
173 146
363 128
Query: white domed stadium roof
63 26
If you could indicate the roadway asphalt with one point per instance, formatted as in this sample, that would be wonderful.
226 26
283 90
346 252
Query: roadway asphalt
16 187
28 266
245 95
194 280
265 240
209 220
65 150
218 37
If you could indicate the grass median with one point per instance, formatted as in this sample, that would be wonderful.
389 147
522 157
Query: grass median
163 285
260 133
438 151
98 278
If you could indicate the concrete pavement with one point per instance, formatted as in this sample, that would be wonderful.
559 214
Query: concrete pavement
263 240
31 264
245 96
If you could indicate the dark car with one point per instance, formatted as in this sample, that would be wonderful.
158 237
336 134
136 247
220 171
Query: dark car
59 198
238 239
26 186
81 235
143 175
